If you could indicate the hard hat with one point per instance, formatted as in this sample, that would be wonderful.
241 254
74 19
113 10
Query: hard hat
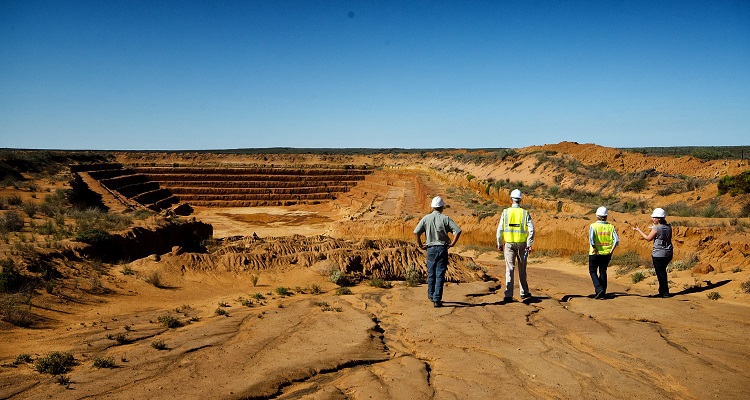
659 213
437 202
515 194
602 212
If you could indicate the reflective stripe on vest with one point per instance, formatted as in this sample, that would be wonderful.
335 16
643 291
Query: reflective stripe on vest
514 225
603 238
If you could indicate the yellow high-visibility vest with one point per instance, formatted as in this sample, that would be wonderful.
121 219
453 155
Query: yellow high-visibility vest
514 225
603 238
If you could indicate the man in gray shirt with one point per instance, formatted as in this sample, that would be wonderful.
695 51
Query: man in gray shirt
436 226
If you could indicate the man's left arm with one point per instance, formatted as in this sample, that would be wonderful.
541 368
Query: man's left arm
615 240
456 230
530 229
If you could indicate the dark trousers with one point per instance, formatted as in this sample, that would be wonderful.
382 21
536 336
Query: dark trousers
660 266
598 270
437 265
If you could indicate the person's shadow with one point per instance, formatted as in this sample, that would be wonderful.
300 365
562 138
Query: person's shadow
694 289
529 300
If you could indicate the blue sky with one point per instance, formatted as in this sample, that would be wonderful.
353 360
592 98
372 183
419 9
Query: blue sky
200 75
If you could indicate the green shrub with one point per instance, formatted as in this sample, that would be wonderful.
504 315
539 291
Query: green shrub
13 200
16 309
338 277
637 185
637 276
221 311
735 185
108 362
343 290
92 236
259 296
713 295
120 338
745 286
95 219
22 359
685 264
283 291
46 228
245 302
10 279
55 363
314 288
11 221
412 276
170 321
380 283
159 345
745 210
30 208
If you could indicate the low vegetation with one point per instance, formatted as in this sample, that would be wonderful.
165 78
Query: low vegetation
412 276
735 184
55 363
343 290
170 321
221 311
380 283
104 362
637 276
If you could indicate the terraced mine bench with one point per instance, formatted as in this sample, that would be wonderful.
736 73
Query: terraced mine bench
160 187
253 186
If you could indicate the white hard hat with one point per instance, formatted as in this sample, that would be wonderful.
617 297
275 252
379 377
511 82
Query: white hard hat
659 213
602 212
515 194
437 201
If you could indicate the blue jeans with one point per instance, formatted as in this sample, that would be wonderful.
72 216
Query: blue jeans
437 265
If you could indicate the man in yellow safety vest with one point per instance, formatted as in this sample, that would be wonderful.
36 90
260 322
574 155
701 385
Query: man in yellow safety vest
517 231
602 242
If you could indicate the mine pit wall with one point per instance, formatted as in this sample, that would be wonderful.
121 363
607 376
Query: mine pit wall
562 235
253 186
142 242
122 188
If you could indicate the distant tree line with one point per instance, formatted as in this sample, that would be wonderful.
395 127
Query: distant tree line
702 152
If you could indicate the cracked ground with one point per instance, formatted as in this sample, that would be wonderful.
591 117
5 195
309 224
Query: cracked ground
392 344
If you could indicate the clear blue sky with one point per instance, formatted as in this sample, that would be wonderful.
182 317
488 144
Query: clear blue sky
109 74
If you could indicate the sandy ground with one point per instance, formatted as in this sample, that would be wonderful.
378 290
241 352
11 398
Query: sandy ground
380 343
386 343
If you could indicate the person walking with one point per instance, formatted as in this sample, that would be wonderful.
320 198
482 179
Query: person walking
435 226
516 230
602 242
661 255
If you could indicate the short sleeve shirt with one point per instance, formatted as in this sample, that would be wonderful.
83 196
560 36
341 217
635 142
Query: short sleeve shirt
436 226
662 241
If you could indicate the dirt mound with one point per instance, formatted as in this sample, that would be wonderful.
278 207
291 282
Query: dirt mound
359 260
625 161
